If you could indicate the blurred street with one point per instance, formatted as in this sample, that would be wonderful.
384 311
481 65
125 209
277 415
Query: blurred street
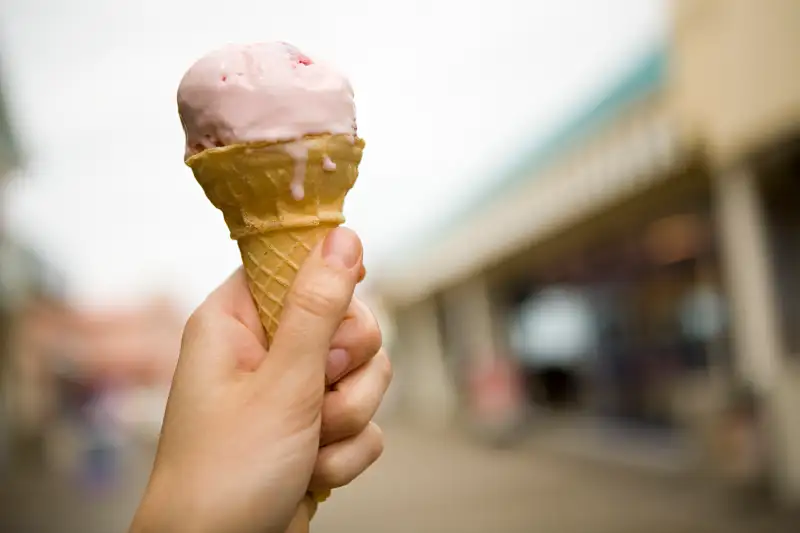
441 484
436 483
37 500
581 223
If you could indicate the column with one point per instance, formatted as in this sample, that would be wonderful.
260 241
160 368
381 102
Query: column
755 327
428 394
471 319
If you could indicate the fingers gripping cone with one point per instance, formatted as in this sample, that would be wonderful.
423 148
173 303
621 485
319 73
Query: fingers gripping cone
276 228
252 185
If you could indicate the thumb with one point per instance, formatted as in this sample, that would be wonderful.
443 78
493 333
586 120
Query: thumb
313 309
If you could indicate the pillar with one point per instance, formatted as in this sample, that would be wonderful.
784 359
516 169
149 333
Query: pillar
428 394
471 324
757 341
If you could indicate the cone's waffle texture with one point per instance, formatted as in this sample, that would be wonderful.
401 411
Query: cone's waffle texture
251 185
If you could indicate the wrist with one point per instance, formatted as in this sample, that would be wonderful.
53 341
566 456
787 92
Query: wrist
148 519
155 510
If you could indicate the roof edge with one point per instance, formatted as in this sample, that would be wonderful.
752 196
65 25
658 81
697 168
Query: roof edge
646 76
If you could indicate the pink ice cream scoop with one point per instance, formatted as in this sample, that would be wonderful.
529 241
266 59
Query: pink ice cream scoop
262 92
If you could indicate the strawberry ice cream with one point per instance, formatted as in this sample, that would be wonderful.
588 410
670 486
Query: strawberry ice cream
262 92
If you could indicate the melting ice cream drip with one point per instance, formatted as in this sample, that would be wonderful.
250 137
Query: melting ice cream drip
327 164
299 153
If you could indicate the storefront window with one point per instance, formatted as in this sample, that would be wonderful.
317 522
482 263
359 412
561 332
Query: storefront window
702 314
556 326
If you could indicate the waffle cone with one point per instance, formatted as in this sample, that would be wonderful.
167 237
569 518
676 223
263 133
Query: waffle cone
251 185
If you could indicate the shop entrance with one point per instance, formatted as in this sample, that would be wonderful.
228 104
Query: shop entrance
555 387
554 334
618 329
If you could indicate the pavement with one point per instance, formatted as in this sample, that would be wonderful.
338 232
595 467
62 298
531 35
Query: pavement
36 499
441 483
436 482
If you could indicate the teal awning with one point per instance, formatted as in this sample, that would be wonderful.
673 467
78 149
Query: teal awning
518 208
646 76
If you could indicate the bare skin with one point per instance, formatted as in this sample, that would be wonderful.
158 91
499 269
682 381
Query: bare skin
248 432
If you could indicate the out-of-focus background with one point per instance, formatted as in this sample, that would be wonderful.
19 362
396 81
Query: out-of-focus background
582 232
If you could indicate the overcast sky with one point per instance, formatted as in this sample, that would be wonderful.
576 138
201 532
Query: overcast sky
444 89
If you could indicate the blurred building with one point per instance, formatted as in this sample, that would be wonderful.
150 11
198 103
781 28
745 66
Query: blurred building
9 297
79 377
56 360
110 369
640 266
28 387
9 152
27 281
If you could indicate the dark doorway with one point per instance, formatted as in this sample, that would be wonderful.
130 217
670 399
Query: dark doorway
557 387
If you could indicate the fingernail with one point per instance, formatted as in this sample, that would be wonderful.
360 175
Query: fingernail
338 361
342 245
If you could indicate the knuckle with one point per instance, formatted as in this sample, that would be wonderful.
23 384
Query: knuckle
385 367
338 466
316 298
373 336
331 471
196 324
377 443
369 331
355 414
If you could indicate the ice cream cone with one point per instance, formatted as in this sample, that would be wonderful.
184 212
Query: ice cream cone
252 184
258 187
